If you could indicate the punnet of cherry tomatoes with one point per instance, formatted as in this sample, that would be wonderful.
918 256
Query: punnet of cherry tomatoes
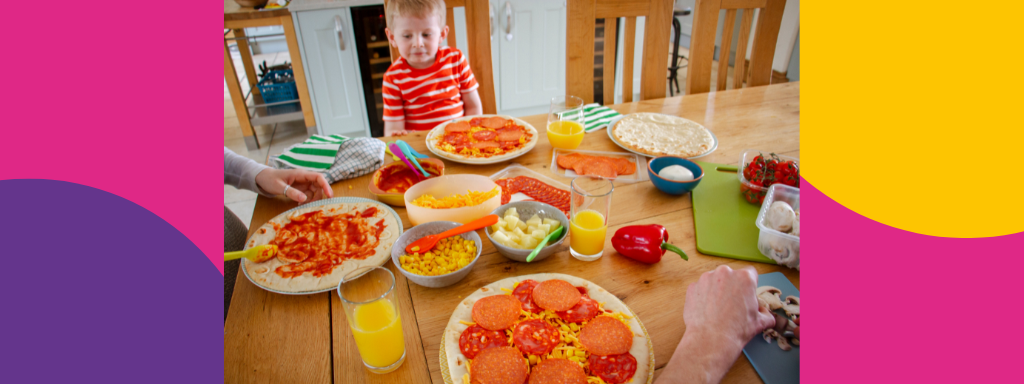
761 171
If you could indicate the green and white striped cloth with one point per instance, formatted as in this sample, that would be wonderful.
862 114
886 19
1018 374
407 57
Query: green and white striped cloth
315 154
596 116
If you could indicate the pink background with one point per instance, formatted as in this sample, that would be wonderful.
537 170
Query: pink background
127 97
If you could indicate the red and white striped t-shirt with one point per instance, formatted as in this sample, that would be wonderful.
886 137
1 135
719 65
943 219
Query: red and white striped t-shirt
424 98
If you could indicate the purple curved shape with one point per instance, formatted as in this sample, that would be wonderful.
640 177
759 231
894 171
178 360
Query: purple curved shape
101 289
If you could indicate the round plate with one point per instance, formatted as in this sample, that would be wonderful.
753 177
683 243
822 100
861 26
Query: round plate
334 201
443 355
611 123
438 131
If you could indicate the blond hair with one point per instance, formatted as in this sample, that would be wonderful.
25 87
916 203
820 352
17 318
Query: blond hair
417 8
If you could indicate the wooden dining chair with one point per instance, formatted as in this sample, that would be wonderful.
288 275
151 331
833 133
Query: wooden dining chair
479 50
702 43
579 59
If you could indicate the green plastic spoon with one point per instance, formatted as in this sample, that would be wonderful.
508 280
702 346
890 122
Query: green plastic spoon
543 243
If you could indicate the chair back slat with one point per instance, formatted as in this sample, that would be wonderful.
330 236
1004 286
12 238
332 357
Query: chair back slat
610 32
746 21
627 60
723 56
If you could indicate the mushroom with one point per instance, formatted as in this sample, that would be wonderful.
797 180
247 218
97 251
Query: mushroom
771 333
792 307
796 225
772 296
780 216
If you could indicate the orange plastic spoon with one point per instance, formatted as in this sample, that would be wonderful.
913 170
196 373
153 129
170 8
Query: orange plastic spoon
427 243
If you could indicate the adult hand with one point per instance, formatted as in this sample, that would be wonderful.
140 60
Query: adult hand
305 186
723 304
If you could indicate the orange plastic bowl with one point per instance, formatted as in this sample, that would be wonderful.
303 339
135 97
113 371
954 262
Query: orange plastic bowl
432 166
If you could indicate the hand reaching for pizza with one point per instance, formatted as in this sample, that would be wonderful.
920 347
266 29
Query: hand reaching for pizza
305 186
721 315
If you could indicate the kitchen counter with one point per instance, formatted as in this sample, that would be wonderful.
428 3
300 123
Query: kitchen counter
309 5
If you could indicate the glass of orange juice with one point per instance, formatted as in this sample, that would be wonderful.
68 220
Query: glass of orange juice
565 122
372 312
591 201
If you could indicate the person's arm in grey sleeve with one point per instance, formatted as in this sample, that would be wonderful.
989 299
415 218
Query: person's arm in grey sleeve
241 171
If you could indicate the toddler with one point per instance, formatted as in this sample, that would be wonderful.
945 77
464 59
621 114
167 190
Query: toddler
429 84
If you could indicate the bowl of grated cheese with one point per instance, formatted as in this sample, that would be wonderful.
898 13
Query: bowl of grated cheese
458 198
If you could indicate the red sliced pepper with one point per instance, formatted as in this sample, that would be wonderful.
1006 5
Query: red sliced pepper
644 243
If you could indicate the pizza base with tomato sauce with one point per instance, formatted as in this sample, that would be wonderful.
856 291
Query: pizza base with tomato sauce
473 143
456 361
286 274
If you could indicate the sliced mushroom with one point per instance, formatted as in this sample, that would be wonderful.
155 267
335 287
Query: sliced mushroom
784 344
771 295
791 306
780 322
795 341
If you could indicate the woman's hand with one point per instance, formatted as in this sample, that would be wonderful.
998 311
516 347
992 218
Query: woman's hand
723 303
305 186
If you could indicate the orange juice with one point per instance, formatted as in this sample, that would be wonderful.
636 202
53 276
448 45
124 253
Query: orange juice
378 332
565 134
587 231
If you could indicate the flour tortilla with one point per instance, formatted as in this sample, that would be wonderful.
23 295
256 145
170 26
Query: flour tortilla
263 275
456 361
657 134
437 134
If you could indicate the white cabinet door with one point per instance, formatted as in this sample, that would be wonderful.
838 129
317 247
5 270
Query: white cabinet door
332 71
531 64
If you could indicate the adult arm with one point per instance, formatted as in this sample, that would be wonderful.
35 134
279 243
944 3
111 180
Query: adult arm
721 315
240 172
302 186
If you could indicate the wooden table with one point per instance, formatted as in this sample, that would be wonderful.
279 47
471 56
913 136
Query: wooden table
236 18
277 338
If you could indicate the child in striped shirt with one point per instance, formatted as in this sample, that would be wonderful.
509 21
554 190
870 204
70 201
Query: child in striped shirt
429 84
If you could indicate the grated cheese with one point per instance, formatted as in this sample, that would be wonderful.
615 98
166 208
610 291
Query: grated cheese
470 199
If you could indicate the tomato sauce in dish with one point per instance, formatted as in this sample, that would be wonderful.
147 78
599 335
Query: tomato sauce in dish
397 180
317 242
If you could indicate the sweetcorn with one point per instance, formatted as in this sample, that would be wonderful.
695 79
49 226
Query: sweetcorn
449 255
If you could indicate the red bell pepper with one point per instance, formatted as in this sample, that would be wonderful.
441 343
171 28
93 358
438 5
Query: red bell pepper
645 243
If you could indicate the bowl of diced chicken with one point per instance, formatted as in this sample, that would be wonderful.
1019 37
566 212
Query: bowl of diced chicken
522 225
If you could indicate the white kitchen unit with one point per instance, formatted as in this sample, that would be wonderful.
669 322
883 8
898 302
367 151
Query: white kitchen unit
332 71
529 54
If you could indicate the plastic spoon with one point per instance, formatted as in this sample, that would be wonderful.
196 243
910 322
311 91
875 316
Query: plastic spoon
388 150
543 243
258 254
408 149
428 242
398 152
405 151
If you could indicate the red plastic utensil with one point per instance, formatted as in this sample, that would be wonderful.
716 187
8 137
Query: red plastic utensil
427 243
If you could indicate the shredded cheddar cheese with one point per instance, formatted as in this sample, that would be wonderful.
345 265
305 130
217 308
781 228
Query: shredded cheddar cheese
470 199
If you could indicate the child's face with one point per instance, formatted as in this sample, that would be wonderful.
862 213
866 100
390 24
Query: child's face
417 38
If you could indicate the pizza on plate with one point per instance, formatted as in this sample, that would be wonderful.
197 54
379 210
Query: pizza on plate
319 245
482 137
545 328
656 134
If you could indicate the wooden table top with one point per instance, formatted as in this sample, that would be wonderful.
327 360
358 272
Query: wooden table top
270 337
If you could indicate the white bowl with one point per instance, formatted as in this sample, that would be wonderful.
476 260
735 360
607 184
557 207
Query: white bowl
443 186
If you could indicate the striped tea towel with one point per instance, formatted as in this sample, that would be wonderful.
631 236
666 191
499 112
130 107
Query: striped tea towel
596 117
315 154
355 157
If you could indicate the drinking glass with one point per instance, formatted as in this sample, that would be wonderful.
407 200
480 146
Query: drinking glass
565 122
372 313
591 201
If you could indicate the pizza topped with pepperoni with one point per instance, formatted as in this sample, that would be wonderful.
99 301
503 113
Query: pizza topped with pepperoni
545 328
482 139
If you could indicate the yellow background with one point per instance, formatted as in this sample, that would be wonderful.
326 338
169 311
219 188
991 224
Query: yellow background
912 112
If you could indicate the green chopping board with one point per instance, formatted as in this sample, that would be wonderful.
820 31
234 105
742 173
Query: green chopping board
723 220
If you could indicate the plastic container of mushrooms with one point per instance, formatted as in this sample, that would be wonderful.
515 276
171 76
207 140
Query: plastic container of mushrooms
779 225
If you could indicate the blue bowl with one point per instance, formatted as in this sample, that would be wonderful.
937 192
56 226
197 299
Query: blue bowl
670 186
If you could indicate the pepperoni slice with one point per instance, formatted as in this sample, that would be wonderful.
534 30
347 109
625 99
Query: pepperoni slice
455 138
475 122
568 161
457 126
508 144
524 292
605 335
510 134
501 365
496 313
485 145
597 168
493 122
558 371
556 295
484 135
585 310
536 189
613 369
583 290
535 337
475 339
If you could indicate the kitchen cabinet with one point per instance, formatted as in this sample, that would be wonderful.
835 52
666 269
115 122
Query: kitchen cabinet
327 46
529 54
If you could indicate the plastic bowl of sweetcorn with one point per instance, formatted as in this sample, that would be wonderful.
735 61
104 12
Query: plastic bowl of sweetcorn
446 264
